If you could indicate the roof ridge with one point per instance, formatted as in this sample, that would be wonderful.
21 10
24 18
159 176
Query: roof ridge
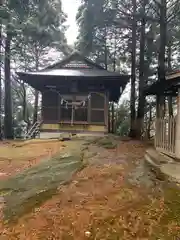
68 58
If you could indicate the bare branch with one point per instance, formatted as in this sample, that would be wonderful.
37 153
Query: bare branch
173 4
151 6
174 11
157 3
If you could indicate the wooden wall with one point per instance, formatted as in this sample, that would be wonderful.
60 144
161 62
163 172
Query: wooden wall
97 108
50 107
94 112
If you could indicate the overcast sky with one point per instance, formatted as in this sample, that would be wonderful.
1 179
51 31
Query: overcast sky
70 7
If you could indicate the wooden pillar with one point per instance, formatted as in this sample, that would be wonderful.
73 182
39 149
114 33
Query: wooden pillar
109 118
112 120
170 106
59 108
89 110
177 138
42 105
106 110
157 107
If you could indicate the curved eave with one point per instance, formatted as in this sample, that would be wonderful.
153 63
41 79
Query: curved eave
81 73
166 87
112 81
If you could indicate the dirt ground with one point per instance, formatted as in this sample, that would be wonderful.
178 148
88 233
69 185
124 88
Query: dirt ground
16 156
112 198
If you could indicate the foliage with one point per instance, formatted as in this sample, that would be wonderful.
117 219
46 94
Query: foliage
44 31
106 37
32 29
123 119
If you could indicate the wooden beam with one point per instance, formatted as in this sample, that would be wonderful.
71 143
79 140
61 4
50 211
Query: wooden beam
89 111
59 108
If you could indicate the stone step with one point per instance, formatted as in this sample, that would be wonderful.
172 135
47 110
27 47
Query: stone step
165 167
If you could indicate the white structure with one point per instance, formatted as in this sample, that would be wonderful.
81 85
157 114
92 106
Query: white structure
167 130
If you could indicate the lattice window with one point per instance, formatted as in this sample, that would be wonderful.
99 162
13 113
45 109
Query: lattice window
66 109
97 100
97 116
66 114
50 114
97 108
80 112
50 99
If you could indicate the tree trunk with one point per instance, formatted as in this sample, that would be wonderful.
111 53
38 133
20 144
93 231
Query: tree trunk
133 73
112 121
109 118
161 56
150 121
8 124
141 100
1 134
24 105
105 49
25 110
114 113
35 115
169 54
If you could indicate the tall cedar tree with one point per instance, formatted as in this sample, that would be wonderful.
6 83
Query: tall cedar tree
8 124
29 22
1 134
133 72
141 100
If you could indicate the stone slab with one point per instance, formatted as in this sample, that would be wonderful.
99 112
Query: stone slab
164 167
172 170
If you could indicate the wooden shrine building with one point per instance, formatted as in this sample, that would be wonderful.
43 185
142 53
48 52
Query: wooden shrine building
75 94
167 124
